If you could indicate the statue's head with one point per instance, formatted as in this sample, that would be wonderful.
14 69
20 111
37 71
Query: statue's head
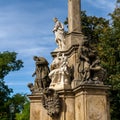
35 58
55 19
40 60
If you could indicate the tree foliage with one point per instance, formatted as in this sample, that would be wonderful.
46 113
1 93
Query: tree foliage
22 106
93 27
25 113
111 60
8 63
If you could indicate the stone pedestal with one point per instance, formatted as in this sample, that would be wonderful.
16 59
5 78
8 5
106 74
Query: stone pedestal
86 102
73 38
91 102
37 111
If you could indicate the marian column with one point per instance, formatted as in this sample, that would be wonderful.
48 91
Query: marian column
76 91
74 19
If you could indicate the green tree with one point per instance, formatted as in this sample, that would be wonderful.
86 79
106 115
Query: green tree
93 27
8 63
109 52
21 106
19 100
25 113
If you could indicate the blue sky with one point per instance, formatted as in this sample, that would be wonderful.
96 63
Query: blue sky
26 28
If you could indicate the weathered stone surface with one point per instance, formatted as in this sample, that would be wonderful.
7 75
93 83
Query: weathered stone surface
60 73
74 24
37 111
68 101
86 102
77 76
42 80
91 102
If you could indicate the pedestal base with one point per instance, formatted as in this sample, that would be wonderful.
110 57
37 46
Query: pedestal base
37 111
86 102
91 102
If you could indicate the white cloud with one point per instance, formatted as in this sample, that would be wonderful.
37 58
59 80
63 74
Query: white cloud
17 83
33 51
107 5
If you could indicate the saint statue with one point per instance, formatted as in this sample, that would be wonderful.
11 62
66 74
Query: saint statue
42 70
59 34
60 71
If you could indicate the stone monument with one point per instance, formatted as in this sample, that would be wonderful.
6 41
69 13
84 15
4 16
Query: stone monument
73 87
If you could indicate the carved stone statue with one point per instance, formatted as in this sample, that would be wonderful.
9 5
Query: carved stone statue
59 34
42 80
89 65
60 71
98 73
54 69
84 62
64 71
51 102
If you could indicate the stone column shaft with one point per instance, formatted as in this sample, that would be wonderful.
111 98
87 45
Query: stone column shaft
74 21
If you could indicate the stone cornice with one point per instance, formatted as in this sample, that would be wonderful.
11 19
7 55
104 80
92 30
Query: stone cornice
68 52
